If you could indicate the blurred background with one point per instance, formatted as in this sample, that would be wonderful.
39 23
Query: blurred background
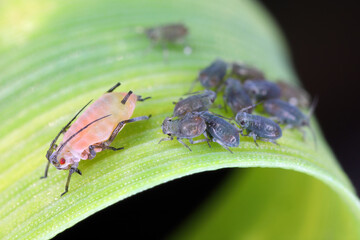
324 38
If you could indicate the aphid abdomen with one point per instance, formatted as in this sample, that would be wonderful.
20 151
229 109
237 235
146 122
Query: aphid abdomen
109 103
221 130
265 128
284 112
191 127
236 96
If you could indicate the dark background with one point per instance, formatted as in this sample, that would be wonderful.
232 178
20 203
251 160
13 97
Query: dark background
324 40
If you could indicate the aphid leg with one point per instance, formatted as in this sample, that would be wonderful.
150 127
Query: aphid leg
225 105
208 139
165 52
121 125
270 140
113 88
180 141
303 133
197 141
253 135
165 139
71 171
113 148
223 145
241 131
126 97
289 126
140 99
192 86
92 152
46 170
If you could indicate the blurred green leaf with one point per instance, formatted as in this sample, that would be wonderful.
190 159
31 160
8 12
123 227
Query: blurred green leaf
57 55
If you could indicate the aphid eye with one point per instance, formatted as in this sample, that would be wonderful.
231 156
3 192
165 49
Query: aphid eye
62 161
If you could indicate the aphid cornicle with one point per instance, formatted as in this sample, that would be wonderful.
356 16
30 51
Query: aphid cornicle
235 96
258 127
245 72
189 127
261 89
221 131
196 103
211 76
93 131
285 113
294 95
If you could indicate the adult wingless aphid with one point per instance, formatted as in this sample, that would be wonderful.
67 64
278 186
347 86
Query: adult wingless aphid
93 131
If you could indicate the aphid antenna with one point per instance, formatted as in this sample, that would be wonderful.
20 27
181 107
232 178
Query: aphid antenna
252 106
51 148
313 106
221 87
218 115
191 93
82 129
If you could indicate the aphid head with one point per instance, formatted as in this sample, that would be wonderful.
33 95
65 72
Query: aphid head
167 126
251 88
60 161
152 33
205 80
211 95
242 118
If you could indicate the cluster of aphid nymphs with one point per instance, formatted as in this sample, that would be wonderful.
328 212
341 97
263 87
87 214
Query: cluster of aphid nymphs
243 87
93 131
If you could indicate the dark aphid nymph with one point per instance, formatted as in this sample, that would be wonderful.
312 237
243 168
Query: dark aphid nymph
195 103
213 75
285 113
235 96
221 131
261 89
188 127
258 127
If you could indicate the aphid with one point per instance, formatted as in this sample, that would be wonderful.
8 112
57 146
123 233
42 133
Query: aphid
261 89
196 103
93 131
258 127
245 72
212 76
235 96
170 33
294 95
221 131
285 113
189 127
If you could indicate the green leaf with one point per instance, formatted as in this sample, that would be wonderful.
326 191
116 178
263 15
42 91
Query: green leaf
56 56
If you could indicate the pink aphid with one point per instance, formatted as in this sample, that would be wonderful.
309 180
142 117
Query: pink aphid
93 131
